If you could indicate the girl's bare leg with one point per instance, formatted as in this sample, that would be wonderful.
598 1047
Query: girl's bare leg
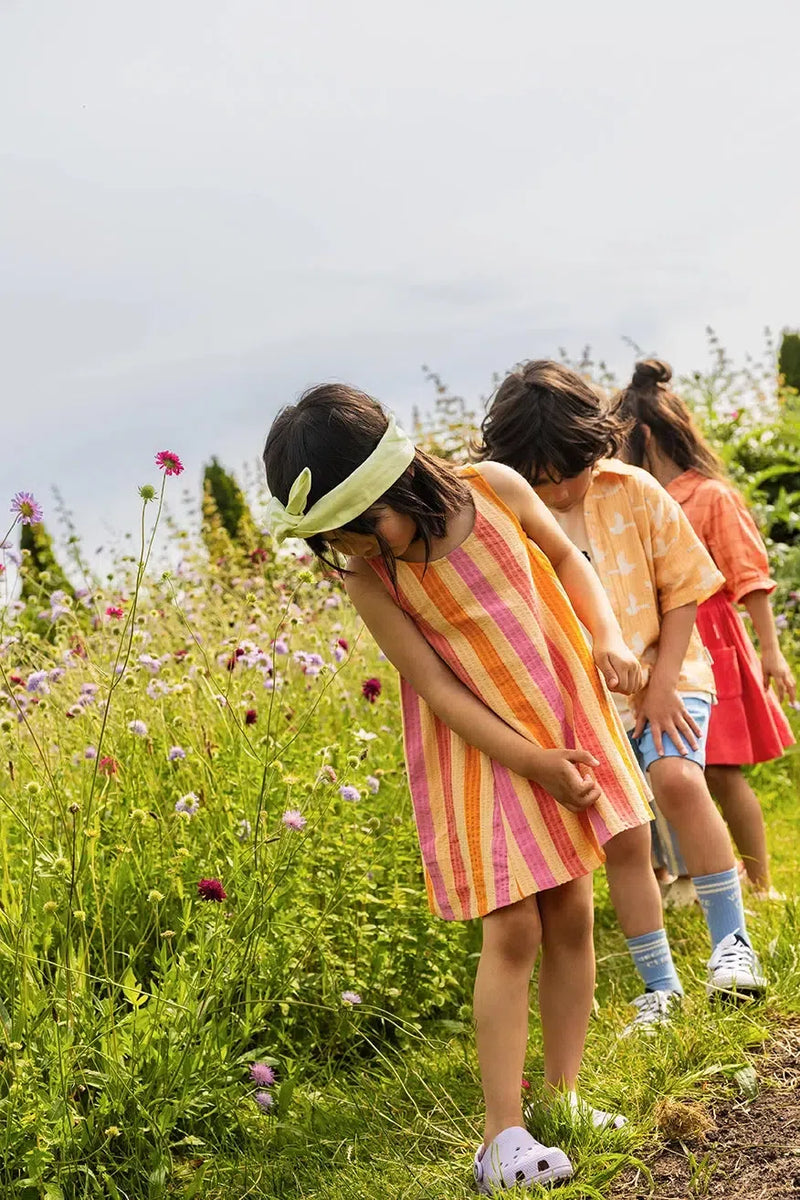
742 812
566 979
511 940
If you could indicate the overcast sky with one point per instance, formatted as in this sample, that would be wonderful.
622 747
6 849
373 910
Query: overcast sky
206 206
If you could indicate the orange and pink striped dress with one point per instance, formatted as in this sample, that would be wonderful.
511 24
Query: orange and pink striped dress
493 609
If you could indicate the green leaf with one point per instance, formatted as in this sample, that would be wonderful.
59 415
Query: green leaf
747 1082
52 1191
131 989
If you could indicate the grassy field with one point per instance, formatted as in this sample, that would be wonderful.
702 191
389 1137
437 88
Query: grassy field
218 975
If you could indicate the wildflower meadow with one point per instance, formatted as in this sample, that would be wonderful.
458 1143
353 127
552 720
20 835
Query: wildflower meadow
218 973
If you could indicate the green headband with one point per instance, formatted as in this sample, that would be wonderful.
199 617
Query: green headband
350 498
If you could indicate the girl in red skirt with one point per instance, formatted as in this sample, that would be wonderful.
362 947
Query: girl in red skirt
747 724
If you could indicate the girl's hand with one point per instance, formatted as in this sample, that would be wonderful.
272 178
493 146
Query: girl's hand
667 713
567 776
618 665
775 667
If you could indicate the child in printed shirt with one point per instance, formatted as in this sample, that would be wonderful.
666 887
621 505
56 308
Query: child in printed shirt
550 425
747 724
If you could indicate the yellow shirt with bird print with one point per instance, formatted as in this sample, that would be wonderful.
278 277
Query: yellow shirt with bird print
649 560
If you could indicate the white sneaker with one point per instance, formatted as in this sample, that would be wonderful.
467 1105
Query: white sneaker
734 968
653 1011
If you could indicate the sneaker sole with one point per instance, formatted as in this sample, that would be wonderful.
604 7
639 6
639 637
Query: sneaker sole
734 995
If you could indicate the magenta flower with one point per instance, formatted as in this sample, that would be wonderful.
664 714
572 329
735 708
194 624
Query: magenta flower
293 819
211 889
108 766
351 998
26 508
168 462
264 1100
349 793
114 611
371 689
262 1074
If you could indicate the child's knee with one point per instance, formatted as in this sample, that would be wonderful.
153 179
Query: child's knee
514 934
568 917
678 784
631 848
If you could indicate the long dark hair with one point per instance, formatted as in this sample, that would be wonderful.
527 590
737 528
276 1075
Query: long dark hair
649 401
546 420
332 430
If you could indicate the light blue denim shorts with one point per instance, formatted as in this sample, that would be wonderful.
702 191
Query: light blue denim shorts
645 748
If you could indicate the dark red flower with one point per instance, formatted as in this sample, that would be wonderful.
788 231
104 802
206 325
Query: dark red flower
258 555
343 642
180 653
250 717
371 689
16 679
211 889
108 766
114 611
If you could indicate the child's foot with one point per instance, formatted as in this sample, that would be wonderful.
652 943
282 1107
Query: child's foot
769 893
653 1010
601 1120
734 968
679 894
515 1157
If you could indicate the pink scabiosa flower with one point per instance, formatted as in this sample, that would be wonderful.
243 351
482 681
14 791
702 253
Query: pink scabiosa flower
114 611
371 689
26 508
262 1074
264 1100
350 793
168 462
108 766
211 889
351 998
294 819
525 1085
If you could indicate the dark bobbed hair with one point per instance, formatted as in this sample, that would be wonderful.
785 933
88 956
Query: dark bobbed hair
648 400
332 430
546 421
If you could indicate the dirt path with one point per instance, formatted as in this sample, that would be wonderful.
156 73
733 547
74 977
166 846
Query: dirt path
739 1149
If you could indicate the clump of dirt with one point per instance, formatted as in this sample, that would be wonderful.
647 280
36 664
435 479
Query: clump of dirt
745 1149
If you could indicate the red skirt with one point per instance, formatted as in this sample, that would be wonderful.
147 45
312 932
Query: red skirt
747 724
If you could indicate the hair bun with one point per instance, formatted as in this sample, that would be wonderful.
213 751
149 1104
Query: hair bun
651 372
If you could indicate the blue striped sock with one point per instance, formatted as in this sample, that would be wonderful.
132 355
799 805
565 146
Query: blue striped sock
720 896
653 960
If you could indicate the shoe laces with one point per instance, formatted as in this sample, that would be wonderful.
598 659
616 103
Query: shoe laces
651 1006
737 954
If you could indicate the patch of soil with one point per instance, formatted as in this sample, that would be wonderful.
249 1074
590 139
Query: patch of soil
745 1149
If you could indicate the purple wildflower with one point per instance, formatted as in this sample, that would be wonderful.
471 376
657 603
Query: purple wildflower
264 1100
176 752
90 752
373 783
262 1074
351 998
293 819
781 621
26 508
138 727
37 682
188 804
349 793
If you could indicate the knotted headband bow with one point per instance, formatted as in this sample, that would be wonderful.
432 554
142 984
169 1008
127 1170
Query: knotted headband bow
350 498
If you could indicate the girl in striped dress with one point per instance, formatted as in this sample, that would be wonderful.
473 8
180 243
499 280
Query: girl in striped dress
519 767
